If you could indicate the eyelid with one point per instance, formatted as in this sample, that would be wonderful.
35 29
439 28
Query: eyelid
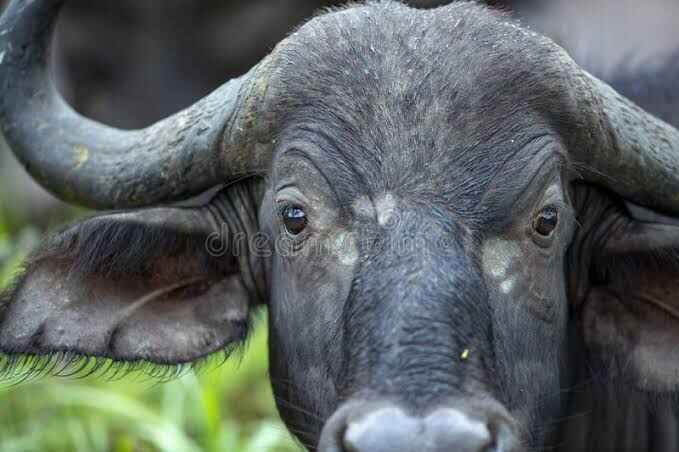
290 195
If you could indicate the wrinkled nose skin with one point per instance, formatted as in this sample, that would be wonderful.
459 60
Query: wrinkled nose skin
390 429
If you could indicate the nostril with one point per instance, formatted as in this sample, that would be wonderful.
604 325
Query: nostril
387 428
504 439
450 429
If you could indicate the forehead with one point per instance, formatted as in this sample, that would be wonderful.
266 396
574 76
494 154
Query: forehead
387 98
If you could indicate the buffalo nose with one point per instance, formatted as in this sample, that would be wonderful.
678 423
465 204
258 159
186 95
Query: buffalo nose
389 429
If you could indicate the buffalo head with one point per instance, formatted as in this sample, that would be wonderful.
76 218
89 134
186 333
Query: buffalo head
438 209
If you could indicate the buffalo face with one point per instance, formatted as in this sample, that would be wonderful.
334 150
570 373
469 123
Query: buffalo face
422 295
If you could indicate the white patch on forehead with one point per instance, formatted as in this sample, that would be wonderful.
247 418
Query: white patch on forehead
385 206
363 207
507 285
346 248
325 217
498 256
553 190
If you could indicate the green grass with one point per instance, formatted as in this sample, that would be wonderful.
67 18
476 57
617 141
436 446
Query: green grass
227 408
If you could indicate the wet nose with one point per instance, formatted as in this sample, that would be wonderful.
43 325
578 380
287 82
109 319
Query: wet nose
390 429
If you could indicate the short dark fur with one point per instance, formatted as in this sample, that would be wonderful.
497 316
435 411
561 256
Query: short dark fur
99 246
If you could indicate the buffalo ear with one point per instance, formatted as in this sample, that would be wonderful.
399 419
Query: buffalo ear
630 316
134 287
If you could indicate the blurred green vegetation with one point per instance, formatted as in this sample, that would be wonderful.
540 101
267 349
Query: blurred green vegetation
227 408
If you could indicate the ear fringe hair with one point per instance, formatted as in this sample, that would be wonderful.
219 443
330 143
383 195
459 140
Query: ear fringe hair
16 369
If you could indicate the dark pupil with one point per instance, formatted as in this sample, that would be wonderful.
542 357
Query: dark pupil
546 221
294 219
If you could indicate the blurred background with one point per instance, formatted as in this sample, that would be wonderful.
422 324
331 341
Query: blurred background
129 63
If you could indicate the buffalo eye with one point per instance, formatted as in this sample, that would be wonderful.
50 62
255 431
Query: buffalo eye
545 221
294 219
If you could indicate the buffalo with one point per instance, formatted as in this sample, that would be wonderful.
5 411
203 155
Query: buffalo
464 241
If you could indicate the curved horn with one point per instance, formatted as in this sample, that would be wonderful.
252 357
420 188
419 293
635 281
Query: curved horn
88 163
623 147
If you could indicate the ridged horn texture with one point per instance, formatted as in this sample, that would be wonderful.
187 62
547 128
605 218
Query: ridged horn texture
221 137
623 147
227 134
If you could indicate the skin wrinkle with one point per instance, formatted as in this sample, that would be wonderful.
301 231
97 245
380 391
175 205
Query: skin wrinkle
306 157
548 164
510 156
